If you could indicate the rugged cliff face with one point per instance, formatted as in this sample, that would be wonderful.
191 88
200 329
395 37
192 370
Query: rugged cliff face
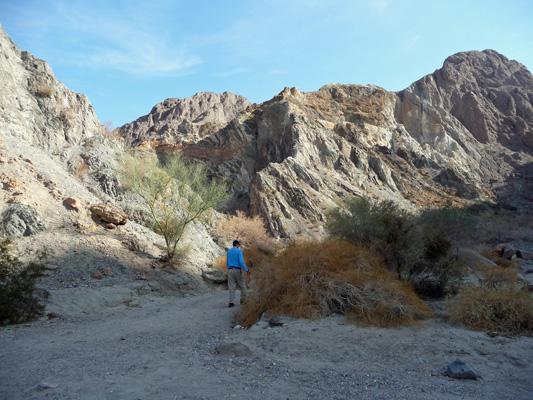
477 106
183 118
462 134
36 107
56 162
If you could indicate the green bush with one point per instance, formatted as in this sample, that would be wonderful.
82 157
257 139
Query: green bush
20 299
174 193
454 223
417 251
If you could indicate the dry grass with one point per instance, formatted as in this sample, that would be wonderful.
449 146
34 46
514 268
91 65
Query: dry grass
494 256
249 231
44 91
80 169
493 276
503 309
313 280
107 130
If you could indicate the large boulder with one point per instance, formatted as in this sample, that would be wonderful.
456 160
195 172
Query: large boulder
22 220
109 213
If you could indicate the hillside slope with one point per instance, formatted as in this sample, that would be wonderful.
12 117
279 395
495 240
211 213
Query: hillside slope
463 134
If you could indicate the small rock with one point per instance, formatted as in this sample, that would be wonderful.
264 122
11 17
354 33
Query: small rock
46 385
12 183
110 226
525 255
97 275
508 252
22 220
74 203
108 272
461 370
233 349
214 275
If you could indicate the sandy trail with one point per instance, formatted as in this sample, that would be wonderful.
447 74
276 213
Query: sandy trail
164 348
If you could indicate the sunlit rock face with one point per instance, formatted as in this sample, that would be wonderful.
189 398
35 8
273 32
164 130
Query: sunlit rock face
176 120
36 107
462 134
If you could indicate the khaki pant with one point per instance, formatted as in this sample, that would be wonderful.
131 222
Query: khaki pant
236 277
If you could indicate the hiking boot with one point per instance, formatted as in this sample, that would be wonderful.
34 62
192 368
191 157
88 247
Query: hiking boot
231 305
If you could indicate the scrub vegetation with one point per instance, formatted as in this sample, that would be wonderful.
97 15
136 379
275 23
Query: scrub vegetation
21 300
378 264
173 192
313 280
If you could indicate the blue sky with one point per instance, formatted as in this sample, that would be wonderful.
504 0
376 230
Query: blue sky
128 55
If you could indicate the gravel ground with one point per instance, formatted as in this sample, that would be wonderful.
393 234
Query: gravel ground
165 348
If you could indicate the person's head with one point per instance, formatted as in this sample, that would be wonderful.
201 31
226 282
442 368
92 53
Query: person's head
236 243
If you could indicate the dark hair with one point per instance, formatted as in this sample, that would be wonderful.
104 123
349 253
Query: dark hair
236 243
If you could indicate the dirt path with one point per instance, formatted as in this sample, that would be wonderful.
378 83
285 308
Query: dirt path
165 349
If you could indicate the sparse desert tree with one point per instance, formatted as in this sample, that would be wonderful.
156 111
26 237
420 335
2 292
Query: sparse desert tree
20 298
173 191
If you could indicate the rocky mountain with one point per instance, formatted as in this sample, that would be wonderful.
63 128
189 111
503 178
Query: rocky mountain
183 118
462 134
60 189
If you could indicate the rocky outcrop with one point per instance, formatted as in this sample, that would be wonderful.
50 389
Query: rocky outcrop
56 158
177 120
36 107
478 111
22 220
448 137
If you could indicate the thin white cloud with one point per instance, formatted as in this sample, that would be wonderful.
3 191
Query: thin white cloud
106 37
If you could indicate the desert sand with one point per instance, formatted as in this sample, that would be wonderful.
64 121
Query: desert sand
152 347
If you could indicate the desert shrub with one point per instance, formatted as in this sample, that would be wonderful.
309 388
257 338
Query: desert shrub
44 91
312 280
455 224
417 251
20 299
502 308
495 275
252 258
496 257
249 231
173 192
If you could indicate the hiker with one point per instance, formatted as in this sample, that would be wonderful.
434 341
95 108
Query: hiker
235 264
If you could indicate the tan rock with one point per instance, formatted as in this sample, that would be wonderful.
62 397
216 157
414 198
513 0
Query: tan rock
97 275
110 213
110 226
108 272
13 183
74 203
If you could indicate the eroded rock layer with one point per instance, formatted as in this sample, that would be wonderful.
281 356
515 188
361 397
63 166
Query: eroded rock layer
462 134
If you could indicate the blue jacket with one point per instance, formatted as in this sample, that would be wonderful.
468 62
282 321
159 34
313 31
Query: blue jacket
235 258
